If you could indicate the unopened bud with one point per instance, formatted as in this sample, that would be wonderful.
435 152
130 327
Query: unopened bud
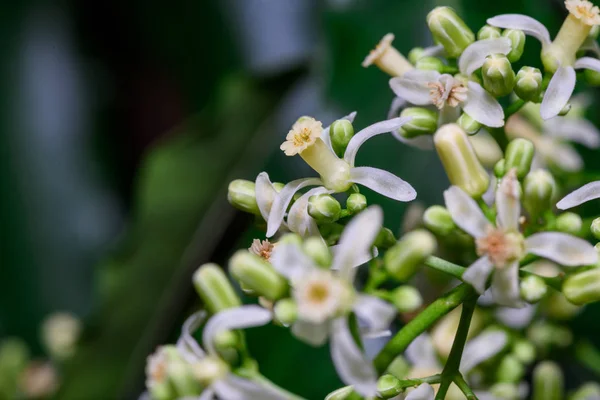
468 124
595 228
406 299
587 391
388 386
500 168
488 32
486 149
547 382
505 391
498 75
533 288
405 257
438 220
517 44
538 190
583 287
356 202
213 287
524 351
569 222
385 239
452 143
340 394
324 208
592 77
510 370
241 194
387 58
449 30
258 275
341 131
565 110
226 340
416 54
528 85
317 250
286 311
423 122
430 64
519 155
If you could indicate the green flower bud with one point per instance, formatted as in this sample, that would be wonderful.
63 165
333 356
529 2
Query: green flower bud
547 382
592 77
316 249
356 202
388 386
385 239
500 169
569 222
424 122
213 287
468 124
406 299
182 379
430 63
415 54
519 155
595 228
540 334
399 367
583 287
517 40
558 307
528 84
241 194
341 131
402 260
587 391
488 32
505 391
340 394
324 208
524 351
533 288
452 143
498 75
487 150
449 30
438 220
331 233
286 311
226 340
510 370
538 190
258 275
566 109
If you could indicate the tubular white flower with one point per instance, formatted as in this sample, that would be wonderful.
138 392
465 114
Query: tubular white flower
475 54
582 195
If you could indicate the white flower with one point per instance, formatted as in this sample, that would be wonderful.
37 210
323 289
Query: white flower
501 247
338 175
326 297
303 134
387 58
584 194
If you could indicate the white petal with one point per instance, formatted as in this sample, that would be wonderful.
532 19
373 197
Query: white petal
234 318
187 344
482 107
298 220
383 182
584 194
562 248
359 259
414 91
564 157
376 313
423 392
422 354
508 203
505 286
236 388
207 394
422 142
356 240
290 261
352 366
482 348
282 201
465 212
478 274
558 93
516 318
325 132
265 194
591 45
370 131
587 63
490 194
433 51
524 23
313 334
474 55
576 130
398 103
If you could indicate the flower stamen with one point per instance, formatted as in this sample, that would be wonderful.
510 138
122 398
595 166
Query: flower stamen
584 11
304 133
262 249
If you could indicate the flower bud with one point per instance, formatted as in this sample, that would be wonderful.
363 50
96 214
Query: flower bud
406 299
488 32
468 124
213 287
452 143
569 222
415 54
486 148
547 382
341 131
510 370
505 391
592 77
290 238
388 386
595 228
524 351
356 202
340 394
286 311
430 64
533 288
565 110
517 44
538 190
226 340
423 122
438 220
258 275
385 239
519 155
241 194
528 84
324 208
583 287
402 260
315 248
498 75
449 30
587 391
500 168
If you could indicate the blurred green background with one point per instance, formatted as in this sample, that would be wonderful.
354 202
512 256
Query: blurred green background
121 124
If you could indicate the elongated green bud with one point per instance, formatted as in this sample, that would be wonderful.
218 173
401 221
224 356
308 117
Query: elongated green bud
385 239
241 194
415 54
388 386
517 44
510 370
592 77
538 190
469 125
286 311
528 84
548 382
519 155
324 208
533 288
430 64
583 287
498 75
341 131
587 391
449 30
356 202
595 228
258 275
524 351
214 288
488 32
405 257
406 299
500 168
558 307
569 222
316 249
438 220
340 394
452 144
423 122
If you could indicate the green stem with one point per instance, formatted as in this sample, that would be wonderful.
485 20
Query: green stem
464 387
451 369
445 266
404 384
513 108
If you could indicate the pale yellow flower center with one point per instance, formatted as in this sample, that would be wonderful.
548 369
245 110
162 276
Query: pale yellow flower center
303 134
450 94
584 10
262 249
209 370
321 295
501 247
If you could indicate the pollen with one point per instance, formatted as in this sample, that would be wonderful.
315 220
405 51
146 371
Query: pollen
584 10
303 134
447 91
502 248
262 249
